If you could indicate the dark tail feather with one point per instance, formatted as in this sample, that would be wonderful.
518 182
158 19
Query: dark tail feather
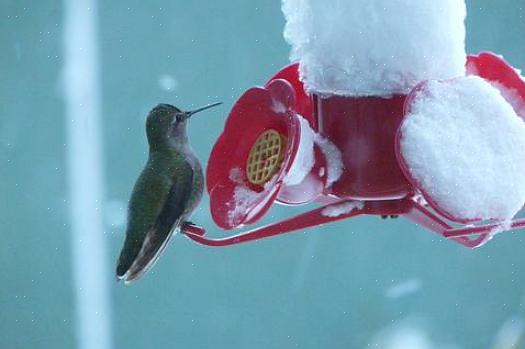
146 258
128 254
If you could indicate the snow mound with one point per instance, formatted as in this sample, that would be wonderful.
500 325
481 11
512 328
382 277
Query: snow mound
465 146
304 159
340 209
245 199
375 47
333 157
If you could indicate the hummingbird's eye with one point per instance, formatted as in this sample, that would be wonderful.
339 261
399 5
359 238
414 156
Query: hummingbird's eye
178 117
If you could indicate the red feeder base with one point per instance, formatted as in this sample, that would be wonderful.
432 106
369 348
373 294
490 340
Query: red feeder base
261 140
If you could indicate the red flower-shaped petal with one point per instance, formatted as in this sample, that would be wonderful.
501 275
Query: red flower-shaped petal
234 200
497 70
303 101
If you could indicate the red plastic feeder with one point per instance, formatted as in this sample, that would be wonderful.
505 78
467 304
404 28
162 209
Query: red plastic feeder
249 163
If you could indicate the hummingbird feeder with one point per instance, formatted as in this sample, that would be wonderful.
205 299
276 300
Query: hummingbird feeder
380 155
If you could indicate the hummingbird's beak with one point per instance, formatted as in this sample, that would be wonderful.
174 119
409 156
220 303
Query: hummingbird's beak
190 113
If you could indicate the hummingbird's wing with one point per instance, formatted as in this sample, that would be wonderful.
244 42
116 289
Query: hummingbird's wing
159 233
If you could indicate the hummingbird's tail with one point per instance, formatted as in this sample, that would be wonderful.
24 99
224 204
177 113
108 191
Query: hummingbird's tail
146 258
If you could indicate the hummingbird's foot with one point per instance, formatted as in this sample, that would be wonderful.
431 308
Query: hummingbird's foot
391 216
191 228
188 223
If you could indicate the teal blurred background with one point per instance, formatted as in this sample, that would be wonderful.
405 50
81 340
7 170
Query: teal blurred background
356 284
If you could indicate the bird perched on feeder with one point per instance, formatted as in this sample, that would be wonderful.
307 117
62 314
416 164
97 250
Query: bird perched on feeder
166 193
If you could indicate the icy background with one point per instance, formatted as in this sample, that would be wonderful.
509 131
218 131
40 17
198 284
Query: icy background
359 284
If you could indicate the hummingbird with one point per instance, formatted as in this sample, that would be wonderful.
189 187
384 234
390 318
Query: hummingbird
166 193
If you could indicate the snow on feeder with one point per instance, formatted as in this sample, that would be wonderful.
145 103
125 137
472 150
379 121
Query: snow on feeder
381 114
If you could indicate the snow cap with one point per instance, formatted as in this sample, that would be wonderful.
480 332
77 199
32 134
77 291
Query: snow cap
375 47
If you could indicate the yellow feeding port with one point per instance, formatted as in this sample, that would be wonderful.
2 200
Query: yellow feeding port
266 157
